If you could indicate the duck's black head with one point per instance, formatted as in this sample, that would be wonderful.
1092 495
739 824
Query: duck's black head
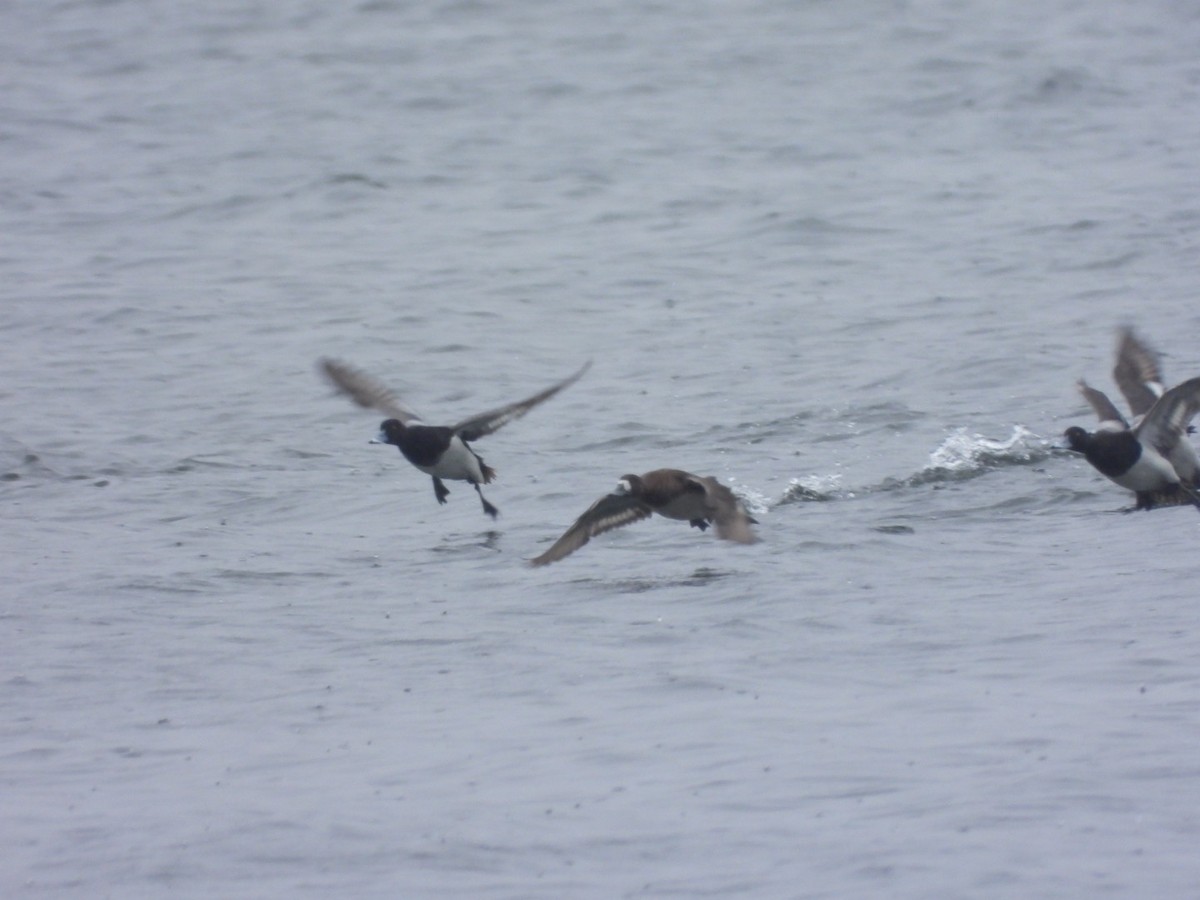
1077 439
390 432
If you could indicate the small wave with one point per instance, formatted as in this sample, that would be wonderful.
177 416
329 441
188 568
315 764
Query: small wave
965 455
815 489
961 456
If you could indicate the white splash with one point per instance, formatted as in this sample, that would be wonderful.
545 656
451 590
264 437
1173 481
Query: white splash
815 488
756 502
963 452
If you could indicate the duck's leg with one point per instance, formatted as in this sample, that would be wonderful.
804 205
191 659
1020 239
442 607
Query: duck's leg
699 523
487 507
440 490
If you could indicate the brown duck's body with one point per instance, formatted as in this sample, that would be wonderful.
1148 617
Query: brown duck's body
680 495
671 493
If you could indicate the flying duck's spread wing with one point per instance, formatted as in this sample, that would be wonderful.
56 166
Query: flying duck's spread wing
1166 423
365 390
1110 416
609 512
728 515
1138 372
485 423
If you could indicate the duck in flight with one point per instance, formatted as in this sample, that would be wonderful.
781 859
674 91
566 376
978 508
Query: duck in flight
1150 454
672 493
442 452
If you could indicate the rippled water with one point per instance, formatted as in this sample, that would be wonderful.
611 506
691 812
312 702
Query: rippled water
850 258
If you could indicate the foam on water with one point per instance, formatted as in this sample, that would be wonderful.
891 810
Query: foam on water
756 502
967 454
963 455
815 488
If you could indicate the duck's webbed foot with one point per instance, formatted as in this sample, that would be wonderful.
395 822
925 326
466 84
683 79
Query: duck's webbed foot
440 490
487 507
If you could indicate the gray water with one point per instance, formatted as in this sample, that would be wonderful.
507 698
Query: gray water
848 257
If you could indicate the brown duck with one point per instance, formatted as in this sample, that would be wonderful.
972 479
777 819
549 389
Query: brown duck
675 494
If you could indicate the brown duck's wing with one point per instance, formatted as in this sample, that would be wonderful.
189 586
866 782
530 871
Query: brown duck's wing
728 515
1105 409
485 423
365 390
1138 372
609 512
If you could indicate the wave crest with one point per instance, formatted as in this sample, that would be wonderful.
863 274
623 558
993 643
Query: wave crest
965 455
962 455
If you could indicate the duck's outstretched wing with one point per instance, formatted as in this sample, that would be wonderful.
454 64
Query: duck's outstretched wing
728 515
1165 426
493 420
1138 372
365 390
609 512
1110 417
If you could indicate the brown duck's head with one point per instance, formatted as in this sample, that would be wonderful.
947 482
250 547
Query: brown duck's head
629 484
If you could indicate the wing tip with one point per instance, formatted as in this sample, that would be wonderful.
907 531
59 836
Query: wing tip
327 365
560 549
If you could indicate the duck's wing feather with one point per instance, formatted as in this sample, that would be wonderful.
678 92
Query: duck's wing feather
1138 372
728 514
485 423
365 390
1110 417
1166 424
609 512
